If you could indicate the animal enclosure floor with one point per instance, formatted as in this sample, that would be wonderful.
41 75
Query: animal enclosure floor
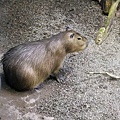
83 96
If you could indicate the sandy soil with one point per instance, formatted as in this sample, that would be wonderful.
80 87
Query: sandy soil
83 96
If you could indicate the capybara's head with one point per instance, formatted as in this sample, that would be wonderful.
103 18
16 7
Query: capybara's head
74 42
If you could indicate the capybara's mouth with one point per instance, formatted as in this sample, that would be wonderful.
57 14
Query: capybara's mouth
84 46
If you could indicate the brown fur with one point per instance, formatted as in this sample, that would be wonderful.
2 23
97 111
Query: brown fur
27 65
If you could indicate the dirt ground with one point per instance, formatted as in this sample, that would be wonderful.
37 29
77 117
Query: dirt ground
83 96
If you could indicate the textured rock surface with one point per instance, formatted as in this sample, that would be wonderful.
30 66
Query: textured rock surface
82 96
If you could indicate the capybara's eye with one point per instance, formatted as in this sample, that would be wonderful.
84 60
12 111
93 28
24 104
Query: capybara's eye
79 38
72 35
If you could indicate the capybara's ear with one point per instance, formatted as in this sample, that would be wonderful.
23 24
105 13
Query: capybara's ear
68 28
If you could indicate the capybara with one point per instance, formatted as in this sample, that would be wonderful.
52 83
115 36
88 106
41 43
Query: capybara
29 64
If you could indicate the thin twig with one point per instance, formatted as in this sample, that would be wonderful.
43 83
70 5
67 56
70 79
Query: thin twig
106 73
